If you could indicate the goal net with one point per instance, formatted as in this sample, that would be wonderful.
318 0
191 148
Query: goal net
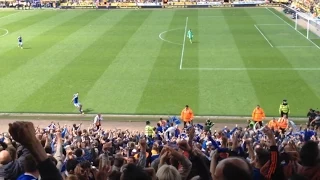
304 23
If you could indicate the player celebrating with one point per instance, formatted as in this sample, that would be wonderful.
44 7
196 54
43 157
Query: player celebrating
20 42
190 35
76 102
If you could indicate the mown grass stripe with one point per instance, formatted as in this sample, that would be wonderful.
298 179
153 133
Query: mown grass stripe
36 46
127 76
25 22
119 36
43 24
84 59
28 78
4 14
17 16
270 89
168 89
217 89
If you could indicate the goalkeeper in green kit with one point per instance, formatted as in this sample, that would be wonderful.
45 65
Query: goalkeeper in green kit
190 35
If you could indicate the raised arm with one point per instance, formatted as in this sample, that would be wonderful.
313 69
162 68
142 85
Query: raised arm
186 163
274 164
58 154
142 158
24 133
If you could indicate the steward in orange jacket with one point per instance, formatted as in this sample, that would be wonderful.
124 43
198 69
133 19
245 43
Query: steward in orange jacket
283 123
258 115
187 115
273 124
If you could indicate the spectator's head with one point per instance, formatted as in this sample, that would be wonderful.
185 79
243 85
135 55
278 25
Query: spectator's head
72 177
309 154
118 160
131 160
147 122
115 175
48 149
5 157
71 165
262 157
133 172
30 165
101 175
78 152
187 106
258 106
54 161
168 172
233 168
82 170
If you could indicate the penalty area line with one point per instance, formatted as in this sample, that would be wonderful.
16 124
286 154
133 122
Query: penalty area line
295 46
263 36
253 69
184 42
291 26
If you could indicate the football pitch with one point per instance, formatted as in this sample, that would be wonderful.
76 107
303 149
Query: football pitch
140 62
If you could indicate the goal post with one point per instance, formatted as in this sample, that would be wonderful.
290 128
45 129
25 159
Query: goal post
304 23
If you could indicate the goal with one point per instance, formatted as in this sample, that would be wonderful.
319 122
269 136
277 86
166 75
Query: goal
304 23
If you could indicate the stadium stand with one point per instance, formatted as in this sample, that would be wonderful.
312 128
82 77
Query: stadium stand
198 151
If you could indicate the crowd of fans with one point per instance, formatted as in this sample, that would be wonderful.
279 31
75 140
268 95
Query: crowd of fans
164 152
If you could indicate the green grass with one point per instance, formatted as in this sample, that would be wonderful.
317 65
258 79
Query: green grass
118 63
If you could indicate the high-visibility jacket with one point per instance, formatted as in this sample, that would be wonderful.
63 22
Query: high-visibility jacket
148 130
284 108
273 124
258 114
283 123
186 115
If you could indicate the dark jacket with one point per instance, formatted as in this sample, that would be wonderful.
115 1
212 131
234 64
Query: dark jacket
48 170
312 173
273 169
199 167
14 169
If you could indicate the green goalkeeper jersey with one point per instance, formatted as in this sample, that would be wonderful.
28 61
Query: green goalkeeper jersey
190 34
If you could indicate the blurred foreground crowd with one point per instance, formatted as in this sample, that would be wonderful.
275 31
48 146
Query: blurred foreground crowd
164 152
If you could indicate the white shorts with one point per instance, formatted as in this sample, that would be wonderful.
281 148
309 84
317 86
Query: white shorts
76 105
20 43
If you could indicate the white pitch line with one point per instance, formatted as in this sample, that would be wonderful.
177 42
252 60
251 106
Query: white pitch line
237 16
254 69
271 24
295 46
292 27
160 36
6 32
263 36
184 42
